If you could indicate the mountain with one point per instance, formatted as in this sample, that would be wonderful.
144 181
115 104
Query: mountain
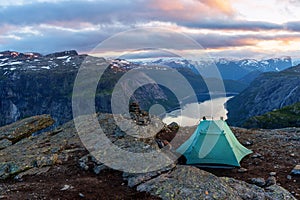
250 77
237 69
288 116
229 69
272 90
33 84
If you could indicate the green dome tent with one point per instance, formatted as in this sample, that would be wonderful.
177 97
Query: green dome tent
213 143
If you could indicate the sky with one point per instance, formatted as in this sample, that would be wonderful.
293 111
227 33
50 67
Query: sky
225 28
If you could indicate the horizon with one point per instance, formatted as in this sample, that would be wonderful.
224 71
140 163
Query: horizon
295 62
148 57
234 29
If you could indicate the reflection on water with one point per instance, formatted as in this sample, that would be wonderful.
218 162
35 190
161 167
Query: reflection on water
193 112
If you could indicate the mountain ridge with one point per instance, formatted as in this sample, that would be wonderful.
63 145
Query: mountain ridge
231 69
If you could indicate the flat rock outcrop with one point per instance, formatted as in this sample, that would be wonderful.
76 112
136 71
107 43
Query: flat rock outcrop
187 182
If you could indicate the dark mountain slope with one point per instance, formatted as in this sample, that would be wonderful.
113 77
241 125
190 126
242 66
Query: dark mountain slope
288 116
272 90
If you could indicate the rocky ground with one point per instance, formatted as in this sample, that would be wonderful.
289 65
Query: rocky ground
275 152
55 165
68 181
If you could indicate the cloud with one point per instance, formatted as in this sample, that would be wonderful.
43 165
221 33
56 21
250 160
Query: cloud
164 5
46 26
293 26
189 10
216 41
110 11
52 38
223 6
235 25
219 41
208 14
47 38
84 11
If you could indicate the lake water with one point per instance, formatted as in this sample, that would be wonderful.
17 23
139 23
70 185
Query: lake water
191 113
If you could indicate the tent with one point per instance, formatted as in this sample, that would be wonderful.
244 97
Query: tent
213 143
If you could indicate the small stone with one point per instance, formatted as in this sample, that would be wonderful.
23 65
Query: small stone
292 155
296 170
83 163
66 187
248 143
18 178
119 134
81 195
97 169
270 181
256 155
289 177
242 170
272 173
258 181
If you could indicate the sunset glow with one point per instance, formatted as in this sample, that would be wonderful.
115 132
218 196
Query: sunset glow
225 28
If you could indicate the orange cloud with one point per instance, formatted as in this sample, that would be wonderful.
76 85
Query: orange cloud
192 9
174 5
223 6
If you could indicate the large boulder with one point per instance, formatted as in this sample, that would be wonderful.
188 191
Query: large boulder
187 182
19 130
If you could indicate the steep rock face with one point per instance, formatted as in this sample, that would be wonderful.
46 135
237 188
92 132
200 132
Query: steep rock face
34 93
34 84
268 92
